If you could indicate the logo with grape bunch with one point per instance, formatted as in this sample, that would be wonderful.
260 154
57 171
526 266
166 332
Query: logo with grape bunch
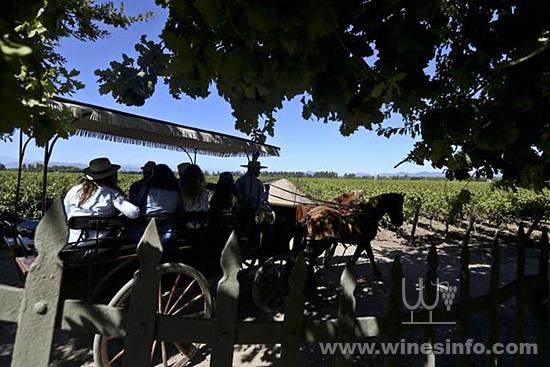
448 294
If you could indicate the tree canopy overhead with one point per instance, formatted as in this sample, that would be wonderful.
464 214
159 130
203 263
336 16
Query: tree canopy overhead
470 78
32 70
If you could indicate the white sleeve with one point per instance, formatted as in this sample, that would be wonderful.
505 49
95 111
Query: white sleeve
68 202
125 207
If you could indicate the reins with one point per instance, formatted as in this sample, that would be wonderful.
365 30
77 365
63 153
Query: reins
314 199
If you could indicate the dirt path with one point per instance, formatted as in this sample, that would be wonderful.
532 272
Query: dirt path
371 293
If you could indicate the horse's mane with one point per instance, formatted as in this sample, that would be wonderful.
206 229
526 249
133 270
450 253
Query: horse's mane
350 198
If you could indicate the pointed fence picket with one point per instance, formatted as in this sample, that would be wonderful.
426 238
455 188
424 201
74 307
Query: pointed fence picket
541 309
464 318
520 293
394 310
294 315
431 294
35 307
492 359
140 332
39 305
346 314
227 304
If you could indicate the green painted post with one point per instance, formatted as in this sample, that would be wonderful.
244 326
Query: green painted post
38 312
464 318
141 321
294 314
520 294
346 315
227 305
543 297
492 359
395 300
431 293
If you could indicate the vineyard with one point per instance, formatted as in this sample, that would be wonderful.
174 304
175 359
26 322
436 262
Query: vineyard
445 201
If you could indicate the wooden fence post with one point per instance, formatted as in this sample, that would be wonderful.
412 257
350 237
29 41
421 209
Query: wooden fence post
464 318
471 223
294 314
142 311
431 293
35 329
520 294
543 297
394 311
415 222
227 304
492 359
346 315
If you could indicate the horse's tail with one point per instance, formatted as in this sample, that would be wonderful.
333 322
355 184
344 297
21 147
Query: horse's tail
300 238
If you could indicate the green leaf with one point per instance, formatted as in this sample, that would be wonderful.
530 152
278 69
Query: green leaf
10 48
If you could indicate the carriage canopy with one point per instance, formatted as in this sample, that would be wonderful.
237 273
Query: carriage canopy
109 124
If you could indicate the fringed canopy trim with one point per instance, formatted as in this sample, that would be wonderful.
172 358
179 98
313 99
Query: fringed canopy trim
121 127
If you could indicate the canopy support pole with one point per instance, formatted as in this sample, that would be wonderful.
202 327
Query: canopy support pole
195 157
189 155
48 150
22 150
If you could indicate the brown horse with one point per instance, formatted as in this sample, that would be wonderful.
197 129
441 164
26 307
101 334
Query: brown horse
351 221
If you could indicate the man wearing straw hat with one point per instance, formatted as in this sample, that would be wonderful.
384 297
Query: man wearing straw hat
250 188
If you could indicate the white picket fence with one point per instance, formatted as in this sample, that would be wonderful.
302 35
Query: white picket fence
38 309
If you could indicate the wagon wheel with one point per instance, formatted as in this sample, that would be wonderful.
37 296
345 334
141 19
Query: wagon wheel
270 289
183 291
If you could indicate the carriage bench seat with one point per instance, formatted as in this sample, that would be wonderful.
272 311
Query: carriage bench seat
83 250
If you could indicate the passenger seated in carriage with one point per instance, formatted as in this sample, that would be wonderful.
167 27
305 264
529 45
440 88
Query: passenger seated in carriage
181 169
194 196
135 188
225 200
160 197
97 194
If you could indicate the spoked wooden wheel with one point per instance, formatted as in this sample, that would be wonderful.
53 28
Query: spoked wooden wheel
183 291
270 289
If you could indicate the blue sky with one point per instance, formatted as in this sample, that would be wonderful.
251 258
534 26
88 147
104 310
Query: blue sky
305 145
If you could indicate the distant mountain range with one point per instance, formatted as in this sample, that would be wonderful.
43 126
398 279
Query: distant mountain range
10 162
413 174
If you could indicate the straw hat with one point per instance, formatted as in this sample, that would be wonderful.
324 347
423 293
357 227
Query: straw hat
253 164
100 168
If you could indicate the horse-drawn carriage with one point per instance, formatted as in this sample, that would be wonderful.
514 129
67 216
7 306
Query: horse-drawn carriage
97 269
102 267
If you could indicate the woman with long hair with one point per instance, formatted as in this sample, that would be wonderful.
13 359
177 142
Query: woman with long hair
193 190
225 197
194 196
97 194
224 203
161 193
161 196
